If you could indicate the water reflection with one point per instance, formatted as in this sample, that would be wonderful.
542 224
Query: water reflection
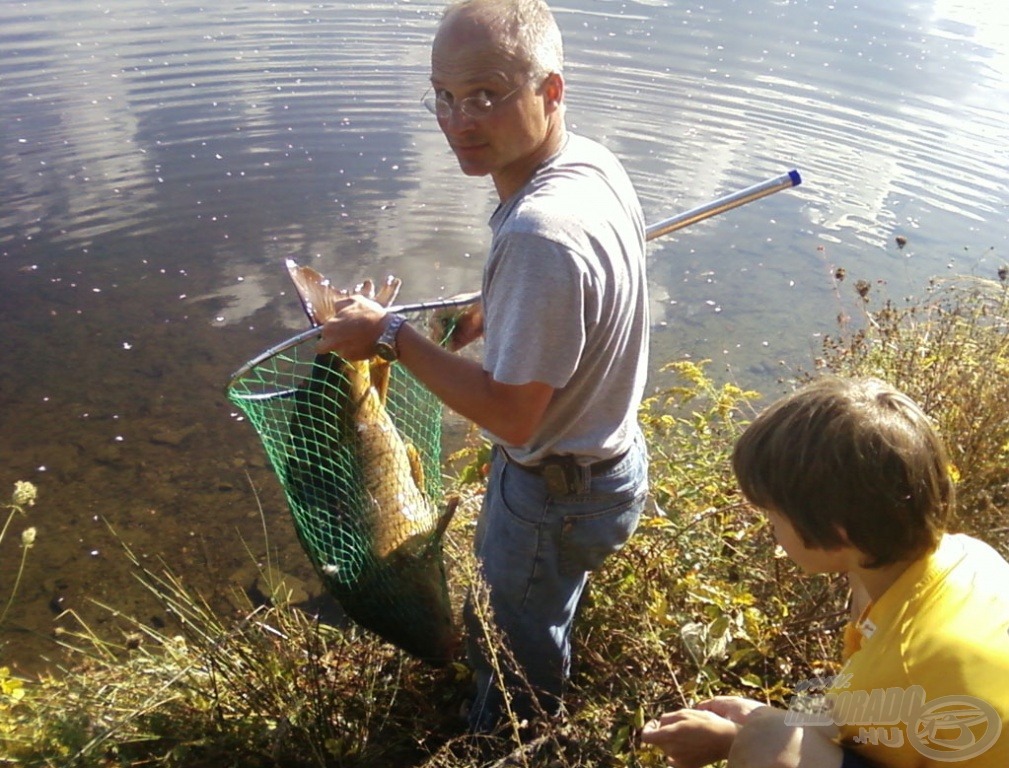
158 161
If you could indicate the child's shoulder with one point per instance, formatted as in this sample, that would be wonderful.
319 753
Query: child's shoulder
958 574
955 633
962 562
960 609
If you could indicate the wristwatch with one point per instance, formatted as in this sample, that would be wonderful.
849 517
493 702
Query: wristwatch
385 347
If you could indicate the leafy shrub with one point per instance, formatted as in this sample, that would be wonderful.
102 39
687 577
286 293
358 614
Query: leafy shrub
950 352
699 602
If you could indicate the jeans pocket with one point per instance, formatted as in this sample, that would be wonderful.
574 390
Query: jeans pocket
588 539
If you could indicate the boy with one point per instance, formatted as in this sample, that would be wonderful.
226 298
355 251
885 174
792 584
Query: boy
854 479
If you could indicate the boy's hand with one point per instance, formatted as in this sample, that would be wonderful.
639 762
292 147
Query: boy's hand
734 708
691 738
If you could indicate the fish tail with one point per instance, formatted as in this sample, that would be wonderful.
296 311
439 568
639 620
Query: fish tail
317 294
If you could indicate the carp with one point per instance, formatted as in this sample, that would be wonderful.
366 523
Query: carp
358 493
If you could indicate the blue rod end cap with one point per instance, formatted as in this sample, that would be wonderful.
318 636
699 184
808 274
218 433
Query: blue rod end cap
795 177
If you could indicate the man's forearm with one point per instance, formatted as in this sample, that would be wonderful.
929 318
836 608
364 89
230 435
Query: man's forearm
512 413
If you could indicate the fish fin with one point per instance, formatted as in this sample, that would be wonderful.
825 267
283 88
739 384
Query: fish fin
366 288
432 544
359 375
389 291
416 465
317 294
381 372
451 504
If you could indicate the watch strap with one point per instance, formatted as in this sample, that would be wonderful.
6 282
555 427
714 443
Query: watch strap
386 346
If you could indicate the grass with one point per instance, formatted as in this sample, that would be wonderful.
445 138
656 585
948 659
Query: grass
698 603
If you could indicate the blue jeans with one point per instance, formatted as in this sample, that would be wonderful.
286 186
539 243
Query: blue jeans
535 553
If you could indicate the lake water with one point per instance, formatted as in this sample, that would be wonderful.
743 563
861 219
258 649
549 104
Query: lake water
159 160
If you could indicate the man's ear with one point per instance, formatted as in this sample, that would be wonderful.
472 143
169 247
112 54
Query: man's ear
553 89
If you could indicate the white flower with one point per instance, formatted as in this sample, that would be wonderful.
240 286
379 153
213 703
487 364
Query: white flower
28 537
24 494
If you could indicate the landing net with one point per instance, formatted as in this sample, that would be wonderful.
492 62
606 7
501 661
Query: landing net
300 406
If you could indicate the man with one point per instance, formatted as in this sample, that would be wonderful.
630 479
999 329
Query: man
564 317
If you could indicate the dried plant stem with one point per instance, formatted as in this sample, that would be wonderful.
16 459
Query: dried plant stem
17 579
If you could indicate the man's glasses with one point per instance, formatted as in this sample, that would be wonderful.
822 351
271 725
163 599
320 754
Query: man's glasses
476 107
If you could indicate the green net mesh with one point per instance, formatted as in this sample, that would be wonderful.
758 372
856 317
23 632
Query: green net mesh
362 479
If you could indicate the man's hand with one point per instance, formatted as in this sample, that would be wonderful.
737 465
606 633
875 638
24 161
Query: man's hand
355 328
456 327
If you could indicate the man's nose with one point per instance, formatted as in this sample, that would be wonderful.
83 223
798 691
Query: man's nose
456 121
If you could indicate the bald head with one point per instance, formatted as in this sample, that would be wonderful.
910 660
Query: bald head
522 33
503 59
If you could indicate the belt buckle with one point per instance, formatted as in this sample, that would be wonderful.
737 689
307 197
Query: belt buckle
558 478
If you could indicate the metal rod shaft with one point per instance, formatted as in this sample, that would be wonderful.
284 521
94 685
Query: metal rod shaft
660 228
722 204
315 330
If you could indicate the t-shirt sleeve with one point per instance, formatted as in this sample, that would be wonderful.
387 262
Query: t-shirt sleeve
535 301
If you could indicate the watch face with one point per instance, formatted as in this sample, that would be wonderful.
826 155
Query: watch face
385 351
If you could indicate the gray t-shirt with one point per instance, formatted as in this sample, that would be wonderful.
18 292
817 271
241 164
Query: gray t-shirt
565 301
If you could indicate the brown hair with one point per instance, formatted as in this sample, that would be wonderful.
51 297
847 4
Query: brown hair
849 461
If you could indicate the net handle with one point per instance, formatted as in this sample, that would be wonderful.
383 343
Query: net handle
315 330
722 204
653 231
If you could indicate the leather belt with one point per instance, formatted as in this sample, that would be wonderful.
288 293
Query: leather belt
596 467
564 475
